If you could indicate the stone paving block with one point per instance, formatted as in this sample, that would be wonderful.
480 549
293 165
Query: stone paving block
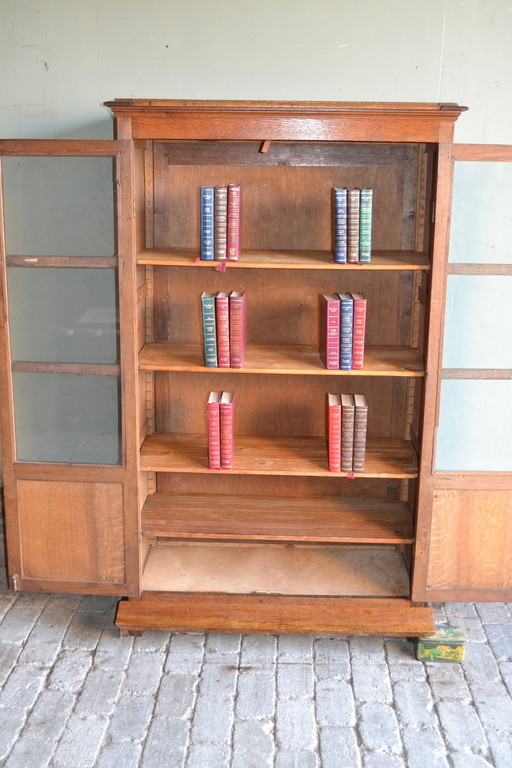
131 718
439 613
113 651
332 658
500 640
6 602
258 650
22 687
413 702
300 759
454 610
81 741
121 754
382 760
19 620
473 628
185 653
505 668
11 723
100 691
9 653
212 721
461 727
480 664
176 695
166 743
30 753
367 647
463 760
493 613
399 650
424 747
494 706
294 680
501 749
295 725
217 679
334 703
295 648
144 673
378 728
413 670
100 603
207 756
70 670
152 641
222 648
49 716
253 744
371 680
447 682
255 695
84 630
339 747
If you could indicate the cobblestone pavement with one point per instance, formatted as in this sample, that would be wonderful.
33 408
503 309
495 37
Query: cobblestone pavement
74 694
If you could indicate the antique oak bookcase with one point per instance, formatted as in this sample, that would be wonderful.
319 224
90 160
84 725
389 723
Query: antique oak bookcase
278 543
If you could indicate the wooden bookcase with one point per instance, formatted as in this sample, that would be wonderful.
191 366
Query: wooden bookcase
279 543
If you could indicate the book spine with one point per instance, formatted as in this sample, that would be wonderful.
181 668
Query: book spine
209 330
221 223
222 322
340 225
226 431
358 334
237 329
234 221
213 413
360 428
346 330
206 224
347 432
353 206
330 330
334 432
365 226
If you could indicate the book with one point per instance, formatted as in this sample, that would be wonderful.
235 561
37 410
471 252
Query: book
209 329
360 428
334 431
234 221
358 332
213 414
346 330
340 225
206 223
347 432
365 226
237 328
353 207
220 223
222 323
330 329
226 407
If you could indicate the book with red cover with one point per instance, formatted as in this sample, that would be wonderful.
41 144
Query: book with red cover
227 424
330 330
360 427
358 331
237 328
347 432
234 229
334 431
220 231
213 414
222 322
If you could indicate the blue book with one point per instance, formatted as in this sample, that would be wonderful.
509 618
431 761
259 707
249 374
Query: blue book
206 230
340 225
209 329
365 226
346 330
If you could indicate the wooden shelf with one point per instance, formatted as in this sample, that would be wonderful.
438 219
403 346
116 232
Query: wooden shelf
262 455
283 259
268 518
378 361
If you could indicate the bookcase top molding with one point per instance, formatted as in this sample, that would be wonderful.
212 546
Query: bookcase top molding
162 119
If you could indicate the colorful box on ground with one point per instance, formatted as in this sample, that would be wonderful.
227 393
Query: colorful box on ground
446 644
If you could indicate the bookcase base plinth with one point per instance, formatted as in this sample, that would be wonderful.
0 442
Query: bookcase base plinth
261 614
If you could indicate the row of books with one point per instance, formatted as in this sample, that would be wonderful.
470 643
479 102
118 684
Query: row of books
353 209
220 415
347 419
224 329
220 222
342 330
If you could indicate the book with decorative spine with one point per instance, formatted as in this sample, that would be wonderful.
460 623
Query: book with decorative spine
237 328
330 330
234 225
359 328
213 414
340 225
222 323
206 224
353 213
365 226
347 432
334 431
360 429
227 423
209 329
221 223
346 330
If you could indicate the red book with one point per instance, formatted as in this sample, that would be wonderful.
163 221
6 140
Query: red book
213 413
358 330
237 329
222 320
227 423
330 330
347 432
334 431
234 221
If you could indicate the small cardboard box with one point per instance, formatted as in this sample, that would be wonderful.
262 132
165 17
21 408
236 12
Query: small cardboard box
446 644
